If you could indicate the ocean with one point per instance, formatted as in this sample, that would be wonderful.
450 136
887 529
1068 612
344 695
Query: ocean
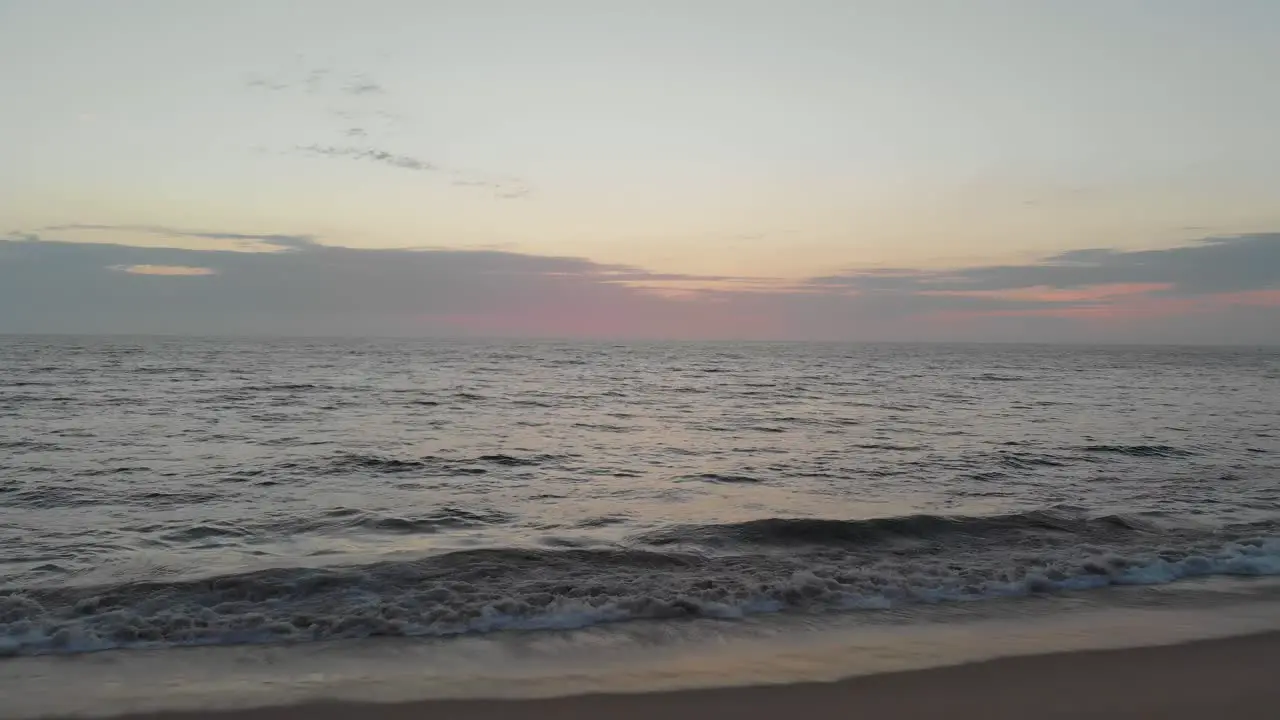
339 498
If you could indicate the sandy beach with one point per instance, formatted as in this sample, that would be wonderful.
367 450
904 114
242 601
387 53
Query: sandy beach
1231 678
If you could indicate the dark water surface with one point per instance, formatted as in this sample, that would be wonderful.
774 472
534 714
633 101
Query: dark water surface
177 491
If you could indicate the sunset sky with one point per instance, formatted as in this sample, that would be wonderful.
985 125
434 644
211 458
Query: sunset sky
1083 170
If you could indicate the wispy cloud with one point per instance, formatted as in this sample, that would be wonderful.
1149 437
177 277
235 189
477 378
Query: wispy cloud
365 115
317 81
505 188
259 83
363 121
405 162
363 86
502 187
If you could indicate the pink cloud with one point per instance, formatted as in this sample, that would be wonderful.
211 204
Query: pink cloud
641 315
1043 293
171 270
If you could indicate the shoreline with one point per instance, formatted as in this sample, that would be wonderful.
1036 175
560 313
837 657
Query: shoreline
1234 677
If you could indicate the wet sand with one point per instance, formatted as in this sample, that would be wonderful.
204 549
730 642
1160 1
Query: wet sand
1227 679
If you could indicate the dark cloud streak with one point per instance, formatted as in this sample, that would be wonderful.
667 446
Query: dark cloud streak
1213 265
317 289
1216 290
283 241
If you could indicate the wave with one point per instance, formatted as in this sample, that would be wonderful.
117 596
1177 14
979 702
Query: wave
816 531
334 520
722 478
104 472
1162 451
541 588
430 464
31 445
1024 461
205 531
603 427
347 462
160 499
442 519
22 398
512 460
45 498
148 370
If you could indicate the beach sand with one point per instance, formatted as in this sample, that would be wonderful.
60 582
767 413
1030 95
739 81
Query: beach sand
1226 679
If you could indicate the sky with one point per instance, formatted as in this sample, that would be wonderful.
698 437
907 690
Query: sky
846 170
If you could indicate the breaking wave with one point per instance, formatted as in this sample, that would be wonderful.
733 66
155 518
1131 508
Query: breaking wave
815 531
776 565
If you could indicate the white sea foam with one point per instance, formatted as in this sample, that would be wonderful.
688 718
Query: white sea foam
393 600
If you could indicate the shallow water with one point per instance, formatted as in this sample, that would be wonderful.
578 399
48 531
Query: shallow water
632 657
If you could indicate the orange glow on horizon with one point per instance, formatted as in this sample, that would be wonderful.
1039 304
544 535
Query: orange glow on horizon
1131 308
